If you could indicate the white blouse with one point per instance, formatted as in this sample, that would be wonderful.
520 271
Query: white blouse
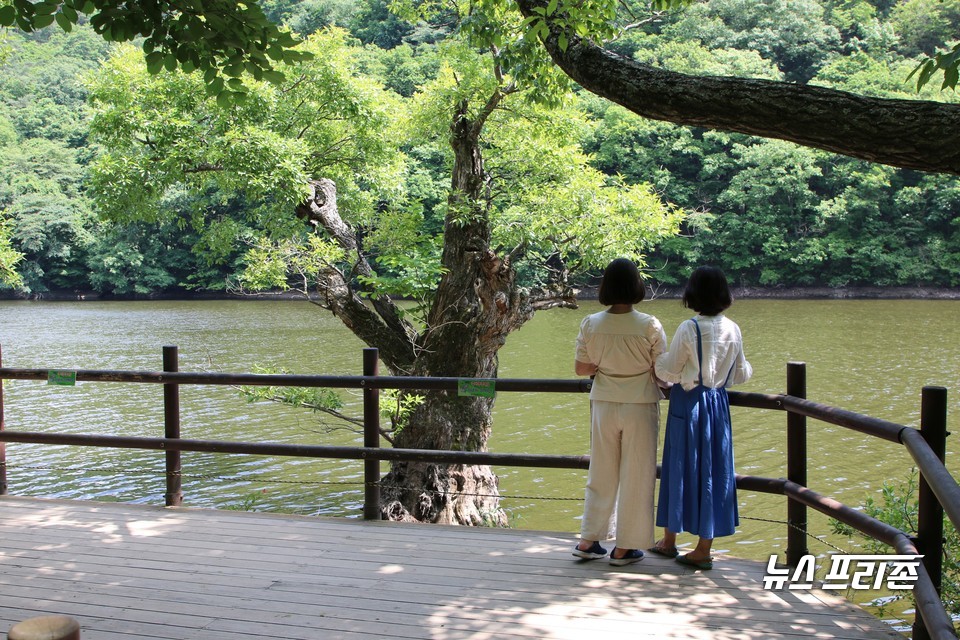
722 347
624 346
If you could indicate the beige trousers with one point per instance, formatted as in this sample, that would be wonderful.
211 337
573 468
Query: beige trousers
623 460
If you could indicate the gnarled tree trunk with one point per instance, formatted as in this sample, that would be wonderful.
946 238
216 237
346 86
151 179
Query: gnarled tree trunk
476 306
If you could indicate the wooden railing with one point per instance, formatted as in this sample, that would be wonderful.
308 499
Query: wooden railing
939 492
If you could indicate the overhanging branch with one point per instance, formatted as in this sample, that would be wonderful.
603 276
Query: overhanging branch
912 134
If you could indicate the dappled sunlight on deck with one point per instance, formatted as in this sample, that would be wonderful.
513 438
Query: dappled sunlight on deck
133 571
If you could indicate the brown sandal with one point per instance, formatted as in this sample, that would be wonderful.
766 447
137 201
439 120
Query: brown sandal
666 552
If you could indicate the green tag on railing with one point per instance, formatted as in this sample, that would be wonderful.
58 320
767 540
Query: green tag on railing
62 378
479 388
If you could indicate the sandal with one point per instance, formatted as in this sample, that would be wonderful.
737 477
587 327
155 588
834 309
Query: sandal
706 565
666 552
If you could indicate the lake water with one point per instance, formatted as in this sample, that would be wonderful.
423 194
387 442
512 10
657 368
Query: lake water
870 356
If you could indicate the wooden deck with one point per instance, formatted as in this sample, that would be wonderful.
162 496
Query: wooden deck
129 572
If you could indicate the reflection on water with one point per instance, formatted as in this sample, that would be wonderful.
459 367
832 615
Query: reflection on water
871 357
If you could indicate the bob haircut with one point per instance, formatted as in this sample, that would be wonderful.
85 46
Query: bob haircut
707 291
621 284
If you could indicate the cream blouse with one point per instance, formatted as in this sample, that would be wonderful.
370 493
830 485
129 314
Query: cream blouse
624 346
722 347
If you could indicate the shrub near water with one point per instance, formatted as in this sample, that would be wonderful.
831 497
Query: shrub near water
898 506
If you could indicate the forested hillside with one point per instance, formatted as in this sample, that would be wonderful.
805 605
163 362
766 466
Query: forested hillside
770 213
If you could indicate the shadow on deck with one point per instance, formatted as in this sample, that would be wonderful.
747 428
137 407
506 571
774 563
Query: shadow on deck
133 571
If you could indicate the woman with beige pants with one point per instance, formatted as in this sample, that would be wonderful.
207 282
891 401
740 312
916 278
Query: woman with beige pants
619 347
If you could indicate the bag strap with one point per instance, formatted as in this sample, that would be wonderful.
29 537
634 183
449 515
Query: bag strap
699 352
700 357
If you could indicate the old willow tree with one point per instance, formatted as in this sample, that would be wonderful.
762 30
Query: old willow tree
324 148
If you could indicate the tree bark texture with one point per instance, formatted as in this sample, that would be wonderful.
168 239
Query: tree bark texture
477 304
912 134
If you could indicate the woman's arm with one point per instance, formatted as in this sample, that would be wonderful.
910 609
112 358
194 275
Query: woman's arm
585 368
669 365
742 370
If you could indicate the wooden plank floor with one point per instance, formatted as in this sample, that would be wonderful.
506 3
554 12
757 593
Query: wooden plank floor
132 571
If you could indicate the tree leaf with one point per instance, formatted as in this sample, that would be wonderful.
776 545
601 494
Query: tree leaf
69 13
950 76
43 21
64 22
7 16
215 87
273 76
45 8
154 62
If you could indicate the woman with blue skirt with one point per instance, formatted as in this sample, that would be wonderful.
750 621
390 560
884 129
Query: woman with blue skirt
697 479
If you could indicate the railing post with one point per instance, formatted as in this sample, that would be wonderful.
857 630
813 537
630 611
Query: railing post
171 429
796 465
933 428
3 445
371 437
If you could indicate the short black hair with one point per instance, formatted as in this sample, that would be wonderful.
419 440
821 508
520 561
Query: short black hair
707 291
621 283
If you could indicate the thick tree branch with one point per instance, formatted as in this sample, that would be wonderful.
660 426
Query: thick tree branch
913 134
565 298
383 327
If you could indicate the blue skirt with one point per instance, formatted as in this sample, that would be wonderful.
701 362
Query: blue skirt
698 491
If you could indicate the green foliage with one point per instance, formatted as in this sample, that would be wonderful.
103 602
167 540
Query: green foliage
40 189
290 262
317 399
403 69
770 213
925 26
221 39
494 26
309 16
9 257
398 406
408 262
377 25
792 35
212 179
328 123
898 506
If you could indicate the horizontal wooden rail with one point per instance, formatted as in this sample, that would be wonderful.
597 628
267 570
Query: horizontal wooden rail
299 450
294 380
841 417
